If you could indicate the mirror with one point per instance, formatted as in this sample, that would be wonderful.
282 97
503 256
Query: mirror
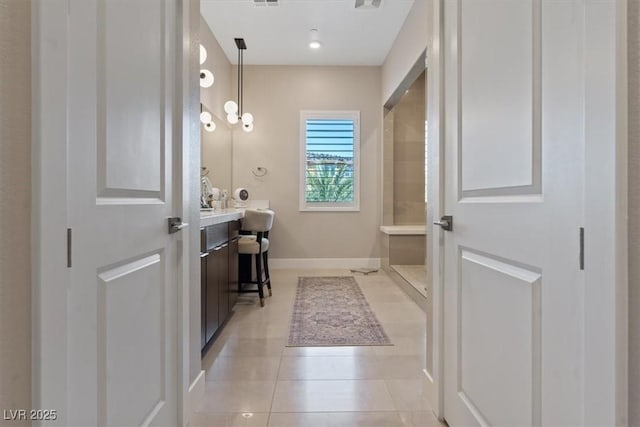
215 152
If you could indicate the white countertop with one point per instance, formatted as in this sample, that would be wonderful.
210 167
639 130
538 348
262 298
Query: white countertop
211 217
219 216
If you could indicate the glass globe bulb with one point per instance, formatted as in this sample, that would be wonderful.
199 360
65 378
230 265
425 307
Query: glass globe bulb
205 117
230 107
232 118
210 126
247 127
206 78
247 118
203 54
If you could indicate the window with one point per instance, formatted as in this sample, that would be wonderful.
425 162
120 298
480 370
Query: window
329 160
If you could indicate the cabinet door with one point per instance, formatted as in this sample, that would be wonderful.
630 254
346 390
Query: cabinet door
222 261
213 296
233 273
203 300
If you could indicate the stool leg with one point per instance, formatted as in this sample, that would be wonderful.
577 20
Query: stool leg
244 270
266 271
259 279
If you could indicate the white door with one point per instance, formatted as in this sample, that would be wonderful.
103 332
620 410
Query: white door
514 164
123 184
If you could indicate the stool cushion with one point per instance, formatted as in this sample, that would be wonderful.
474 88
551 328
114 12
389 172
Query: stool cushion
257 220
249 245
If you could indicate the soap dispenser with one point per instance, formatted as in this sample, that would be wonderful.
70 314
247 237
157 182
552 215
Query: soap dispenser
223 198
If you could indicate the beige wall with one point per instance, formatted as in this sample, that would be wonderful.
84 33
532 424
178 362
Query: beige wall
275 95
408 156
634 213
407 48
15 209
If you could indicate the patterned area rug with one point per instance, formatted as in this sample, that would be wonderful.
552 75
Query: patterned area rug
332 311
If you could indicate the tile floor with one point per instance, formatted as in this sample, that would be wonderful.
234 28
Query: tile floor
254 380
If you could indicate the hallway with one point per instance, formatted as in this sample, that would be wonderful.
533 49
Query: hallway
254 380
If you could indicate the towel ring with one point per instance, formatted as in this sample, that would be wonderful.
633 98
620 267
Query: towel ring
260 171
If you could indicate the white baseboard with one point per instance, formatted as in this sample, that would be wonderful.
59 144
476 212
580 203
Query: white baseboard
430 391
321 263
426 374
196 393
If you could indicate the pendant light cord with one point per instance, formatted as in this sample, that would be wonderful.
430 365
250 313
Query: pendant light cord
239 82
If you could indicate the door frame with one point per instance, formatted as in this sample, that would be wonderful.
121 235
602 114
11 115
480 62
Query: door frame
605 246
49 199
435 204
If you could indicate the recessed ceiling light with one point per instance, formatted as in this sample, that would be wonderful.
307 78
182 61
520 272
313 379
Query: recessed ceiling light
265 2
367 4
314 42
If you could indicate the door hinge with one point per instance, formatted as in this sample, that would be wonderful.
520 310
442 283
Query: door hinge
581 248
69 242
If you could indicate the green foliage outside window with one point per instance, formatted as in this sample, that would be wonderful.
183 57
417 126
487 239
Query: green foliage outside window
329 181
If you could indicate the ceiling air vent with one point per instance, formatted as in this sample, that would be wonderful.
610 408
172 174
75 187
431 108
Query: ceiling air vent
368 4
265 2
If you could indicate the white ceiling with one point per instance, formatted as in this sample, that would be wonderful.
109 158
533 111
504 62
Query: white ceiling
279 35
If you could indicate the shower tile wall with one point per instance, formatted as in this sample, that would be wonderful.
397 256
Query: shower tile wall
408 156
387 166
407 250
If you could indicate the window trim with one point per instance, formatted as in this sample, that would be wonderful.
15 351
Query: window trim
304 206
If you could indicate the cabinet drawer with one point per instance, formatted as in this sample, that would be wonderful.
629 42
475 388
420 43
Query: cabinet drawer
212 236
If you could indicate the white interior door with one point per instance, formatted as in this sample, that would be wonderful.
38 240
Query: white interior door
514 161
123 184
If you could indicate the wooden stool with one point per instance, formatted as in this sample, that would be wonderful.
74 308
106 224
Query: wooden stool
260 223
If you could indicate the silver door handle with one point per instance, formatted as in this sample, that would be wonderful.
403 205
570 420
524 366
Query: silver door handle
446 222
176 224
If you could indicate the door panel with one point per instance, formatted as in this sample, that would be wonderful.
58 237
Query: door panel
203 299
222 260
233 273
130 53
123 300
131 341
499 96
213 294
500 346
514 144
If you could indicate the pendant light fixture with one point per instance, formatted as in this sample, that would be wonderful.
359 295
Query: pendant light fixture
234 110
207 119
206 76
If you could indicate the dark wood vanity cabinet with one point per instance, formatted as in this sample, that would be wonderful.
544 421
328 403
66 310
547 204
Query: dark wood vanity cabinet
203 299
234 235
221 256
219 276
